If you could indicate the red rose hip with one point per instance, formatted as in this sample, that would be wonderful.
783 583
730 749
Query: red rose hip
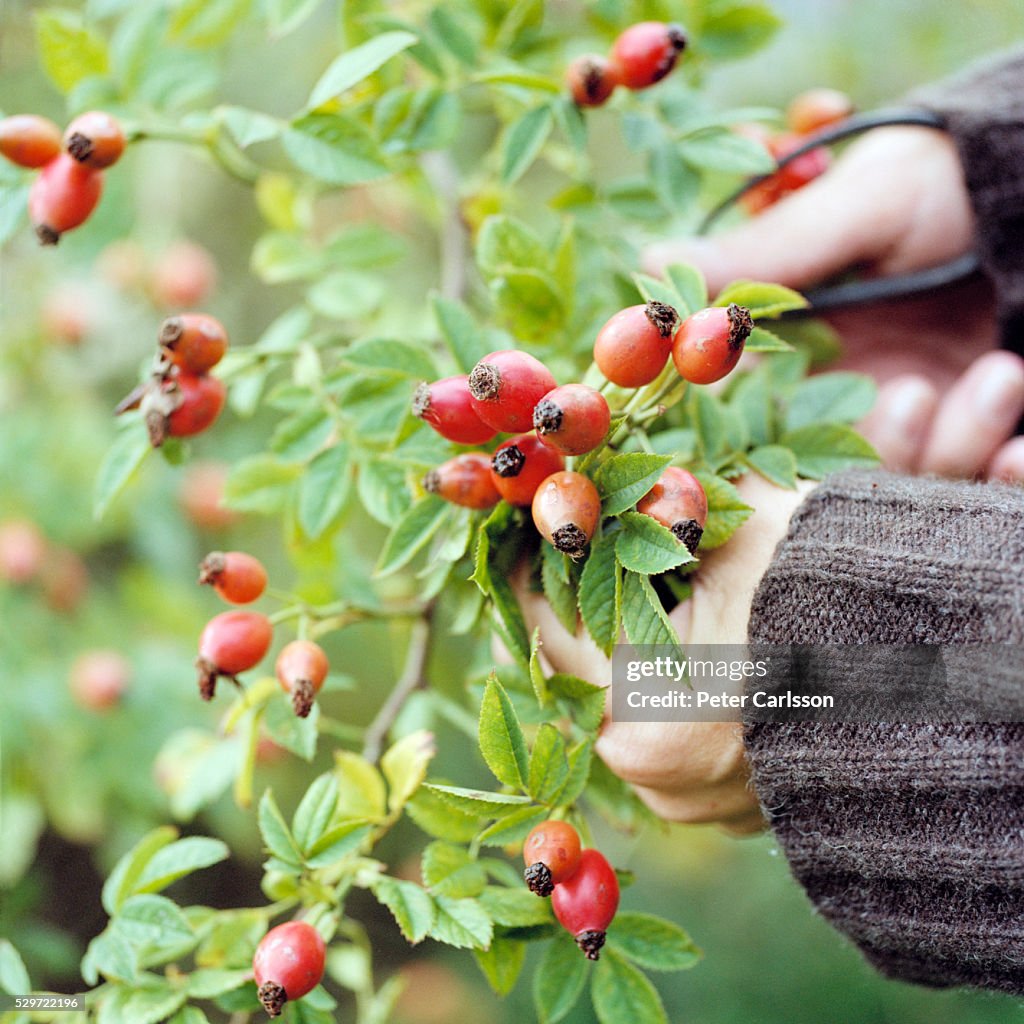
591 80
98 679
183 275
62 197
301 670
804 169
816 109
633 346
574 419
710 343
95 139
288 964
194 341
505 386
238 578
464 480
646 52
551 854
679 503
521 465
566 511
29 140
182 406
585 904
231 642
449 408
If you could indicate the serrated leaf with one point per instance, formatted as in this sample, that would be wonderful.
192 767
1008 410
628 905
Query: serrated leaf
358 63
477 802
831 398
624 479
511 623
514 907
69 51
440 819
315 811
727 511
286 729
761 340
579 757
405 766
549 767
586 699
121 882
277 837
512 828
393 356
620 992
334 148
449 870
653 942
726 151
179 859
653 289
120 464
821 449
111 955
506 242
643 617
689 284
362 792
324 488
338 842
260 483
502 743
763 300
559 980
461 923
643 545
502 963
558 591
410 906
411 534
774 463
523 140
149 919
467 341
600 593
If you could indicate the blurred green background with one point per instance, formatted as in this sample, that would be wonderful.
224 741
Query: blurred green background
769 959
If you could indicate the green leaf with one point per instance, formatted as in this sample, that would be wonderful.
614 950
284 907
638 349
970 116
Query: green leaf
653 289
120 464
179 859
382 490
505 242
260 483
624 479
821 449
347 295
761 340
513 828
208 984
286 729
600 593
549 767
774 463
479 803
334 148
738 30
411 534
580 757
502 963
501 737
121 882
110 954
726 511
560 593
405 766
248 127
586 699
284 16
529 302
441 820
190 1015
467 341
338 842
514 908
620 992
324 487
523 141
675 181
315 811
152 920
763 300
559 980
410 906
14 978
207 23
510 618
645 546
450 871
462 923
652 942
153 1003
362 792
643 617
831 398
391 355
69 51
752 398
358 63
726 151
276 835
689 284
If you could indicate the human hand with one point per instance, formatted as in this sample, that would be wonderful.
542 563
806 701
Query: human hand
894 202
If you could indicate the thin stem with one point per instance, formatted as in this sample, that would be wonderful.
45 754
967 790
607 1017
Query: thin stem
411 679
440 172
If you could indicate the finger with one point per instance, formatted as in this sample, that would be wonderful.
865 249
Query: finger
978 414
750 824
701 807
1008 463
898 424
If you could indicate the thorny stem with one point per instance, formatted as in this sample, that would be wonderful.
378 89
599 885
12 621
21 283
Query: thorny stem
411 679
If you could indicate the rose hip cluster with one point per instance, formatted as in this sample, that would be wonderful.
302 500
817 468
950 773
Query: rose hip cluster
511 391
181 398
237 641
583 887
70 184
641 56
808 114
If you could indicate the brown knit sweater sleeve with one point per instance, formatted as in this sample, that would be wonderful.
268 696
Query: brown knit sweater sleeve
984 111
908 838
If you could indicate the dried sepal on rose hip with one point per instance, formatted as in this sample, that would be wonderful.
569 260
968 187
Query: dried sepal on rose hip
464 480
230 643
447 406
633 346
181 405
196 342
710 342
95 139
288 964
301 669
521 465
238 577
574 419
62 197
551 854
645 53
585 904
679 503
29 140
566 510
591 79
505 386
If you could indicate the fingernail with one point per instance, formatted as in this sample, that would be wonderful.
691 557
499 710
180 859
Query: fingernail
999 395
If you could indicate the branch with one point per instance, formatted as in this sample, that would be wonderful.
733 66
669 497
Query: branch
440 172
